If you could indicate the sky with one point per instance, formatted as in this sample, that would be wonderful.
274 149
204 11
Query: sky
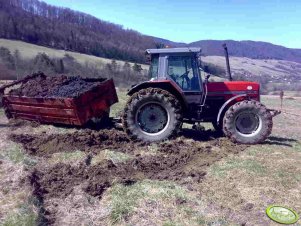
275 21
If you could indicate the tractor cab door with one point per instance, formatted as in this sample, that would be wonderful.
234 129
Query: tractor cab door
183 70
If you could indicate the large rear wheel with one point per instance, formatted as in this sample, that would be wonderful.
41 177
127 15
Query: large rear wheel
152 114
247 122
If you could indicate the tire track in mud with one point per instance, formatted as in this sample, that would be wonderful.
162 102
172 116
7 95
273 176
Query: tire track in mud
175 160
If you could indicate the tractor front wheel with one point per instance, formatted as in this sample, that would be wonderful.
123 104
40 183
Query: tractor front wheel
152 114
247 122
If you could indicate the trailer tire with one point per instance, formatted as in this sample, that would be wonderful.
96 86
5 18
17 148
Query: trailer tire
152 114
247 122
100 122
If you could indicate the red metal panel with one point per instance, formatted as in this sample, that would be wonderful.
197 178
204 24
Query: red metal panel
231 86
70 111
229 89
42 110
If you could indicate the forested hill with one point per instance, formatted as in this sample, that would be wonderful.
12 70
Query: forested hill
36 22
249 49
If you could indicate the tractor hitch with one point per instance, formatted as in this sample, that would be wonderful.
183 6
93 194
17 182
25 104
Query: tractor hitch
274 112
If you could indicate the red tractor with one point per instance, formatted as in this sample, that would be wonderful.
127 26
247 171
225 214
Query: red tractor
177 94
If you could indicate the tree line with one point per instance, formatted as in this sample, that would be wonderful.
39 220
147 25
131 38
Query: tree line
14 66
36 22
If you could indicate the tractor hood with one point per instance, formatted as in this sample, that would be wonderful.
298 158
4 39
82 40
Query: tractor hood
233 88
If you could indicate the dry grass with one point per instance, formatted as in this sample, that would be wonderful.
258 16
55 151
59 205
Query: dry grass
72 158
115 157
15 205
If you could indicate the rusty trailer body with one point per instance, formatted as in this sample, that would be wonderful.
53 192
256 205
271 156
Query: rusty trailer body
78 111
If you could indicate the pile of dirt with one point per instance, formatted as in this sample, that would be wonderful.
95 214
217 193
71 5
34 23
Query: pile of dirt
41 85
44 145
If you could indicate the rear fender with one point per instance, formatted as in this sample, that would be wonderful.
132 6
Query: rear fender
227 104
162 84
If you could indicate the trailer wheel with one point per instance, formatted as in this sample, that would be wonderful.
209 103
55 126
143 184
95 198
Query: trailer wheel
247 122
152 114
100 122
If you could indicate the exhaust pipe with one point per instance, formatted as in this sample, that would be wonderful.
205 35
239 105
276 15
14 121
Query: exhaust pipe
227 62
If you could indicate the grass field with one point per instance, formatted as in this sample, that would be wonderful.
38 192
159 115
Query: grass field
236 190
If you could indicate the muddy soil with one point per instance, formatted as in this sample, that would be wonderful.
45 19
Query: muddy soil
182 160
175 160
55 86
87 140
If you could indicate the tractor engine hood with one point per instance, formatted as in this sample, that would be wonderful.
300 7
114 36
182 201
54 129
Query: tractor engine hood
229 89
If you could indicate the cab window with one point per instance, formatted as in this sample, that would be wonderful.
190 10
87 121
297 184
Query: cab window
154 67
183 71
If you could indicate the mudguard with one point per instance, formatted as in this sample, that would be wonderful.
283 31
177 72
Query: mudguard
167 85
226 104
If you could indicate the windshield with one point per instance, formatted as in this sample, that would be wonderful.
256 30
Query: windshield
153 70
183 70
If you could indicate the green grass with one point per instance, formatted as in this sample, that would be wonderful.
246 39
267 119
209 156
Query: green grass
117 109
15 155
171 223
146 197
250 165
23 216
124 199
19 219
29 51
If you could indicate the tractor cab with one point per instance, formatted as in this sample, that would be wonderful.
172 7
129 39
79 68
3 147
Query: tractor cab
179 65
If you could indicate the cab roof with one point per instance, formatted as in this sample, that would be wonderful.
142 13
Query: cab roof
174 50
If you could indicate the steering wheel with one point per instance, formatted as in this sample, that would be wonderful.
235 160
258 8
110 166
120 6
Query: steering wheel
185 76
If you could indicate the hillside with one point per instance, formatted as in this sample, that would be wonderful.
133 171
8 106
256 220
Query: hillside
250 49
36 22
18 59
273 74
29 51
